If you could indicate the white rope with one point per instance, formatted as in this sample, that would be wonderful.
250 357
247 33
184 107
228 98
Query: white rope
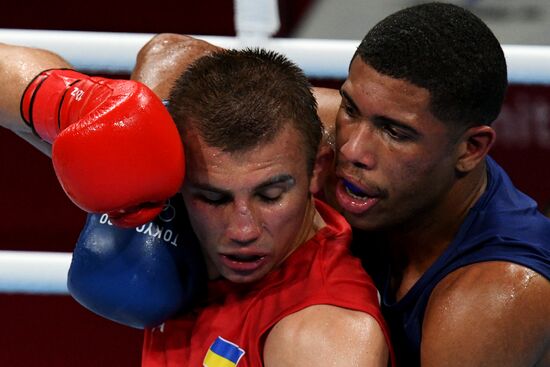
34 272
116 52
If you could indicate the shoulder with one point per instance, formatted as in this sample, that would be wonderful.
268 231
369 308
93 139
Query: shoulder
326 335
491 313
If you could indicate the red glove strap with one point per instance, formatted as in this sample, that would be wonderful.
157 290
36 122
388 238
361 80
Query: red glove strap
42 99
82 97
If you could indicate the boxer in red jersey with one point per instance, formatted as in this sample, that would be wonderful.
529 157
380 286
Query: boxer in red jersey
284 289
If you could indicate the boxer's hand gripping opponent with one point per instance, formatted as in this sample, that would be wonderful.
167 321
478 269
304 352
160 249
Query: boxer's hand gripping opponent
115 148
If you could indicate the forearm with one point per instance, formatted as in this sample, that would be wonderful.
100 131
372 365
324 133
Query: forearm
18 66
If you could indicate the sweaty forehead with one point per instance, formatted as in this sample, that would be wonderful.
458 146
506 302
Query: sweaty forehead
209 165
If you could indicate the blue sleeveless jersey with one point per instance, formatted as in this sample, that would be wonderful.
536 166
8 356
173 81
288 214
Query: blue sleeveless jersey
504 225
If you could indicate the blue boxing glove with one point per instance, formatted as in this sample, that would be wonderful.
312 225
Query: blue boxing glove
138 277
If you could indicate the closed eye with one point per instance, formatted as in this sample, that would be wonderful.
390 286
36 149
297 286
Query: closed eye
271 194
213 198
347 105
396 130
395 133
349 110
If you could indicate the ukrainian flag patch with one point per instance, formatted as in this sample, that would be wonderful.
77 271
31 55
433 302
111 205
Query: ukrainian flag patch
223 353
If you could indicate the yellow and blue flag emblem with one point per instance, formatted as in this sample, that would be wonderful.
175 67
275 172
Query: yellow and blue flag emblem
223 353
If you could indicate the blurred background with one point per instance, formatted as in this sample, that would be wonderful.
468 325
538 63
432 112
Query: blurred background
513 21
40 330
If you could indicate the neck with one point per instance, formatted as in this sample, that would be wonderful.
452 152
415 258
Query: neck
311 223
417 245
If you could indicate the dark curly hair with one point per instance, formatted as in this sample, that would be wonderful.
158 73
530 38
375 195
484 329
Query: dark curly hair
447 50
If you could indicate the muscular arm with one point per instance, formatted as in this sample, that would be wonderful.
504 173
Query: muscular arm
165 57
159 63
488 314
162 60
326 335
18 66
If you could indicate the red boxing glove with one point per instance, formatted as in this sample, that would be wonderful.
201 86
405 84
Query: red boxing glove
115 147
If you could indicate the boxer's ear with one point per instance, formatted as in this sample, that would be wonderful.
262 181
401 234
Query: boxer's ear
473 146
322 168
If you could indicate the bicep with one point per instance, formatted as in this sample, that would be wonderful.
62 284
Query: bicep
497 316
326 335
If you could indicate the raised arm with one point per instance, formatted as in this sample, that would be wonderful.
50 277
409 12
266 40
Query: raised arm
162 60
18 66
325 335
84 118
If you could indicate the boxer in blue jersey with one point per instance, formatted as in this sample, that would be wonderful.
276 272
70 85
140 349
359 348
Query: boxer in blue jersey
460 256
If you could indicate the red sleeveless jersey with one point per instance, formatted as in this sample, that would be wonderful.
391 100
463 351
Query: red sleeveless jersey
234 324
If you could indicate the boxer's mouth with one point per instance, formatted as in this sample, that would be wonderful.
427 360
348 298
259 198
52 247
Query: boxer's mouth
354 191
243 258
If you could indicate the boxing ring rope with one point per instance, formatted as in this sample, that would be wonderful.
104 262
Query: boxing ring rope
320 58
46 272
34 272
